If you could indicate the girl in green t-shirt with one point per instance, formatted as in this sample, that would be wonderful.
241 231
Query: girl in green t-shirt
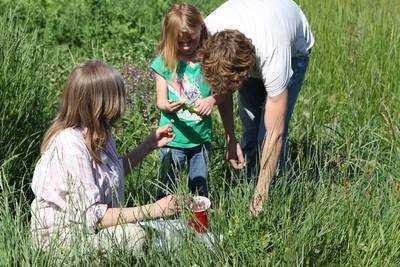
180 91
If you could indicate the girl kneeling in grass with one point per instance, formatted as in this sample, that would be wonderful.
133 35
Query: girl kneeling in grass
78 181
180 89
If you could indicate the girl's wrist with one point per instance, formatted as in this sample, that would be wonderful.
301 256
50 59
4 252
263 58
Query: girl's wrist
162 107
150 144
213 99
154 211
146 212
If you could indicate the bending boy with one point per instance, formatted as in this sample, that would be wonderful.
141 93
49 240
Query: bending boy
260 48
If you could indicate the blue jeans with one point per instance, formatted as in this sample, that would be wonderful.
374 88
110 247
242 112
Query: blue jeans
173 160
252 98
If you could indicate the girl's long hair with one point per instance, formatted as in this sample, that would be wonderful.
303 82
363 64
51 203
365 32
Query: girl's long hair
93 99
180 18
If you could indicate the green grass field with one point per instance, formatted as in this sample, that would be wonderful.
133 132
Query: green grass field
342 208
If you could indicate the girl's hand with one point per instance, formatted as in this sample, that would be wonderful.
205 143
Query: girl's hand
161 137
166 206
204 106
173 106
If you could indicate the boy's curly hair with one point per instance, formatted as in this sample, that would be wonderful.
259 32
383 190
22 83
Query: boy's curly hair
228 58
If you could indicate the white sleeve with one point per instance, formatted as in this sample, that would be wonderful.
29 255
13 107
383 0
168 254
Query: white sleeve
211 24
277 70
221 18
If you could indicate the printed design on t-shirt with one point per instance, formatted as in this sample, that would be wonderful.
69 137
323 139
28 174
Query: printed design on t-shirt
188 89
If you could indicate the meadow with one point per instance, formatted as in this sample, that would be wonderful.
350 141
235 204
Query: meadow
342 208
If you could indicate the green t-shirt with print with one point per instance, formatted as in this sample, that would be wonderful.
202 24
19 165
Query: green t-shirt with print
187 83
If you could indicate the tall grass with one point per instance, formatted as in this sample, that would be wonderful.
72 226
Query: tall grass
341 208
23 117
23 95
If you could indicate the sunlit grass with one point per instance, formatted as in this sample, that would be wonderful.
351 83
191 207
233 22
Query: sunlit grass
341 209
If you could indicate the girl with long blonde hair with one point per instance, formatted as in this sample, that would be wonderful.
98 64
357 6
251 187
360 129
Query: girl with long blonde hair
180 91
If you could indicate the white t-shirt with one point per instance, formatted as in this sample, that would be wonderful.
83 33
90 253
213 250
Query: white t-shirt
278 30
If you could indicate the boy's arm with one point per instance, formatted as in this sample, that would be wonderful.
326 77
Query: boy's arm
274 119
234 152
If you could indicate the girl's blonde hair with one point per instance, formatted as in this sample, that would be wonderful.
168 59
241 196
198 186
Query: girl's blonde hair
93 98
180 18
